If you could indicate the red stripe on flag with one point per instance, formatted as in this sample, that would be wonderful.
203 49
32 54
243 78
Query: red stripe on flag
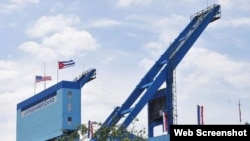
42 78
165 121
202 117
200 114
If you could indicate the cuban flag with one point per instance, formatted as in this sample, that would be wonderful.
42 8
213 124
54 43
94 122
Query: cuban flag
200 115
65 64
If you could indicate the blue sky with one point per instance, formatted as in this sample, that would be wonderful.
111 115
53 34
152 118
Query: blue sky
122 39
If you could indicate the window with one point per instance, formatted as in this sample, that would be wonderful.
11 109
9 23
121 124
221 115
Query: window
69 94
69 120
69 107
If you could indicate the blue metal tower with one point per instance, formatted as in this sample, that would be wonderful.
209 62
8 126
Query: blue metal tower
162 71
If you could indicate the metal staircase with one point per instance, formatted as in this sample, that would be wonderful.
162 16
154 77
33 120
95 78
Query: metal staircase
86 76
162 71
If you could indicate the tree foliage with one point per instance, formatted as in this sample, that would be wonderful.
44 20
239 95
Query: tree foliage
105 133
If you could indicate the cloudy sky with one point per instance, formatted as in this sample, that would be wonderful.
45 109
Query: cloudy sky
122 39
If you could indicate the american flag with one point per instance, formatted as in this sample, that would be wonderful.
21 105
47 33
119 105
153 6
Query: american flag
39 78
239 111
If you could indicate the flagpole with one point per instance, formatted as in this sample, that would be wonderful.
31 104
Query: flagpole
198 114
35 87
57 71
44 75
202 118
239 112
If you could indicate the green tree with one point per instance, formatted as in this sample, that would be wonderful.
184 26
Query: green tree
107 133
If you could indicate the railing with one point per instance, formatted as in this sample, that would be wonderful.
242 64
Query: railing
200 16
204 11
82 74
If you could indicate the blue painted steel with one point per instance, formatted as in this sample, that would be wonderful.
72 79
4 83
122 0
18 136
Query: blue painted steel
86 76
109 119
160 138
162 70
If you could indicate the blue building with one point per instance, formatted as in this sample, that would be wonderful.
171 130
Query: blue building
52 113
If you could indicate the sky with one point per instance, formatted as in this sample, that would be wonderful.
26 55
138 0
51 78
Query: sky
122 39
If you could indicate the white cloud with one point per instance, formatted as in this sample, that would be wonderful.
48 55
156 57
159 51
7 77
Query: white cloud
214 80
15 5
128 3
9 74
235 22
235 5
38 51
107 60
154 48
146 63
51 24
202 67
70 42
104 23
59 38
